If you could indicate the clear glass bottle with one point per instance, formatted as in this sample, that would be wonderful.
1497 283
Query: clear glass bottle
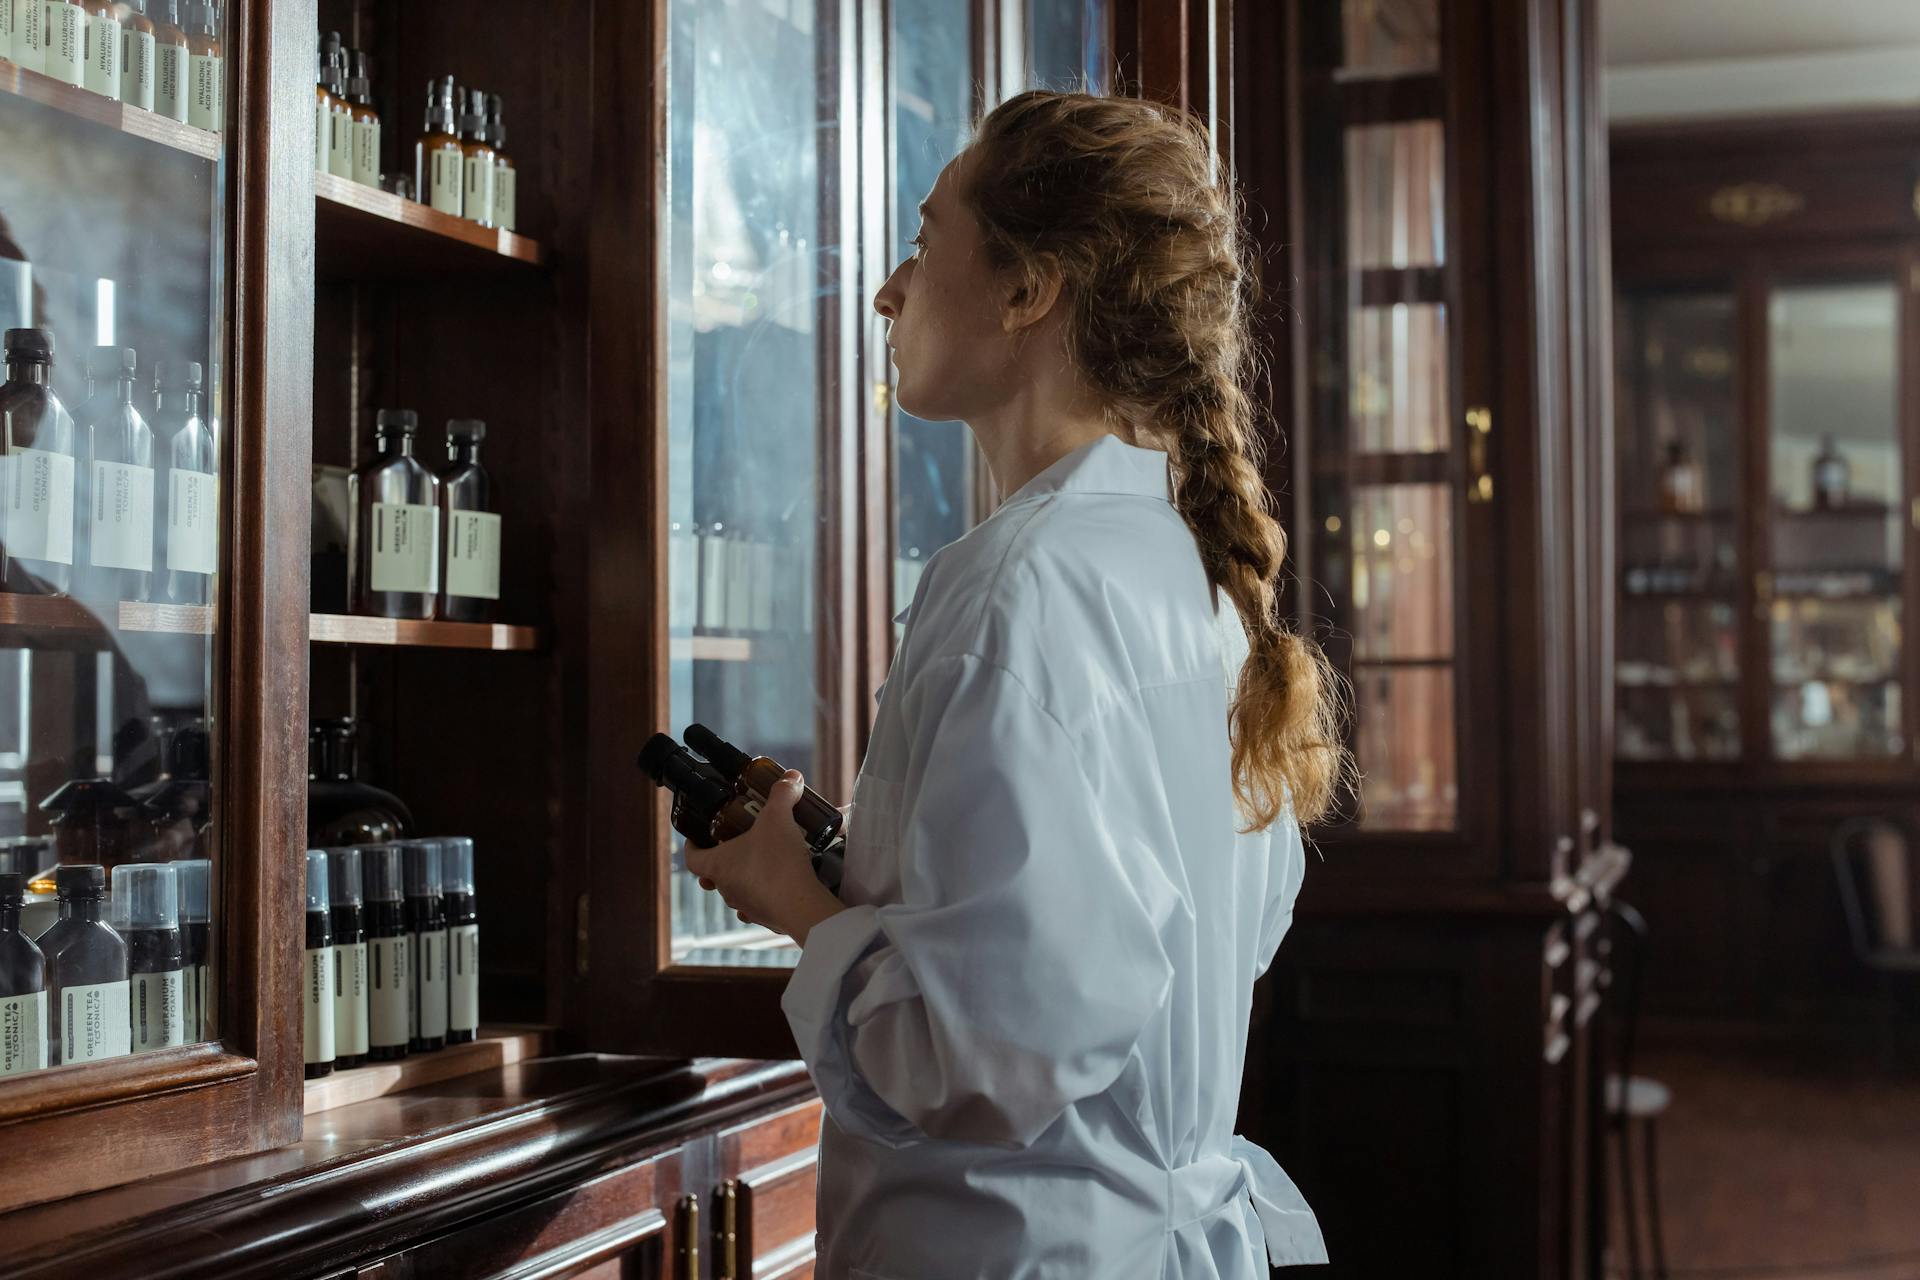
439 161
23 986
187 510
114 450
366 123
137 43
476 199
172 69
206 64
463 939
316 987
389 954
469 530
196 924
90 1017
147 896
506 211
36 470
393 548
427 926
349 957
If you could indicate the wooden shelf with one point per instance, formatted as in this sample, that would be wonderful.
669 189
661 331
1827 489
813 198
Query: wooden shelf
177 619
86 105
47 613
340 628
362 231
496 1047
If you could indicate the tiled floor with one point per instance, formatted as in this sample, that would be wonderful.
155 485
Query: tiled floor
1787 1161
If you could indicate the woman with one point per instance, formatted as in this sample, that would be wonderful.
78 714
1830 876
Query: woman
1027 1010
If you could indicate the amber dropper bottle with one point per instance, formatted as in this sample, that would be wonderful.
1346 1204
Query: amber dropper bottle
366 122
323 106
170 71
438 160
136 54
477 200
755 777
505 205
206 61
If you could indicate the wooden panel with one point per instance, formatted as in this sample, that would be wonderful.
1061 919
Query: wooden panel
777 1215
494 1048
87 105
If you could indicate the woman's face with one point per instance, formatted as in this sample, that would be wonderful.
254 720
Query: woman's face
945 321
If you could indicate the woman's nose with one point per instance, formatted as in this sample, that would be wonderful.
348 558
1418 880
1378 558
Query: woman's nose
887 301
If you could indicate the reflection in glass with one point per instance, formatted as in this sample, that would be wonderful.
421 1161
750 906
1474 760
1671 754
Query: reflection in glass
1399 379
1396 195
1404 739
1401 538
1390 37
1066 41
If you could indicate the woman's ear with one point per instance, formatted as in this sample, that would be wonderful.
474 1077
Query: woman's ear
1030 295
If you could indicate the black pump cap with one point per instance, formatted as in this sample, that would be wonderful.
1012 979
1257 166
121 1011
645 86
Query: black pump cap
466 431
35 346
110 362
360 83
86 880
13 889
496 124
404 421
174 375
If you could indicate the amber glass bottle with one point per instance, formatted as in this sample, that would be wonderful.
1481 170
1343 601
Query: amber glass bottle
206 64
477 196
505 203
171 73
439 162
755 777
36 458
339 111
136 54
323 108
366 123
100 47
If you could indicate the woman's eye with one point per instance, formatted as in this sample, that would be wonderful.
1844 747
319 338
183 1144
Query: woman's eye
919 243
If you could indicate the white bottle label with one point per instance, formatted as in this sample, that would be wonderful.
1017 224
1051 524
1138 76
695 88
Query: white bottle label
103 56
444 179
206 107
432 985
406 547
122 516
340 142
66 42
463 977
159 1010
23 1033
170 81
39 505
136 68
193 531
318 1005
26 32
473 554
391 994
505 207
350 999
477 200
366 152
94 1022
322 135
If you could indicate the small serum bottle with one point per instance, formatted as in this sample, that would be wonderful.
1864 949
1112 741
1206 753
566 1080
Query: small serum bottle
171 70
427 923
389 953
349 958
90 1018
366 123
23 33
323 103
23 986
206 65
36 511
470 531
115 454
463 939
477 198
66 42
136 54
189 518
148 896
339 111
196 902
439 162
316 987
393 545
505 206
100 47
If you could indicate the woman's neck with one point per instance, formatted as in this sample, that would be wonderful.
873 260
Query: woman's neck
1052 414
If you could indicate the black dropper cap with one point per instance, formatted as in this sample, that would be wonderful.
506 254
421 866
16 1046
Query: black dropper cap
496 123
440 95
332 63
112 362
402 422
29 346
465 431
13 889
473 116
177 375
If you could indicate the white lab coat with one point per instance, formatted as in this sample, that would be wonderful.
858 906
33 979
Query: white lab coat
1029 1025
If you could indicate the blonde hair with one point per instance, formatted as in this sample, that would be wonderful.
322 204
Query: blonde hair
1118 196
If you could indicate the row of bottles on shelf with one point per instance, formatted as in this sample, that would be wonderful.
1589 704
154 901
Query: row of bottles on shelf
1683 488
392 952
423 544
723 580
163 56
460 161
131 504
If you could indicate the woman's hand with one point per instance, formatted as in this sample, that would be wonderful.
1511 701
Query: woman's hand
766 874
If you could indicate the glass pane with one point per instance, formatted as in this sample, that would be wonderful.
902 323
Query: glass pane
1396 195
749 175
1401 540
1399 393
1390 37
1835 518
1684 722
113 296
1067 44
1405 743
934 462
1678 677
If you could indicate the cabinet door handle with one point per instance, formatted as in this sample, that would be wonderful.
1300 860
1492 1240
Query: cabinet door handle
726 1231
1480 484
687 1247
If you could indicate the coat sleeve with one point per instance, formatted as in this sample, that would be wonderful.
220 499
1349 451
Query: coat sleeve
1287 862
1025 958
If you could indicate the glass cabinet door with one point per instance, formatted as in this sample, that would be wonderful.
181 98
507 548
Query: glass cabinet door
1836 519
112 294
1677 664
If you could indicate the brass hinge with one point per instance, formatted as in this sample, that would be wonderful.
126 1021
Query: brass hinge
726 1229
1480 484
687 1247
882 397
1913 508
580 937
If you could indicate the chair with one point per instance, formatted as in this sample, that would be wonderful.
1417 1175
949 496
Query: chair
1633 1101
1873 862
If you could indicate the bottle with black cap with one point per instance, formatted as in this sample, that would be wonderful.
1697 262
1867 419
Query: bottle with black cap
90 1017
147 896
324 105
341 808
389 954
366 122
196 923
114 449
393 548
476 198
470 531
427 923
316 987
206 61
187 510
505 202
23 985
340 115
439 161
349 957
36 458
463 939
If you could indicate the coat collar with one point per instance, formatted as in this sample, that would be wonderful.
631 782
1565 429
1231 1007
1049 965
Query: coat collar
1106 465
